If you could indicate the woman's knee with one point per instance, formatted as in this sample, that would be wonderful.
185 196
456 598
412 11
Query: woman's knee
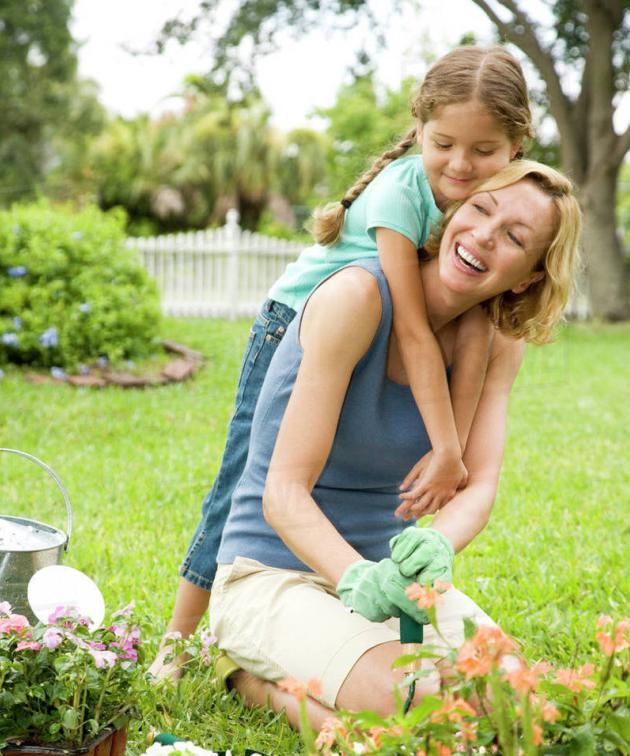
374 684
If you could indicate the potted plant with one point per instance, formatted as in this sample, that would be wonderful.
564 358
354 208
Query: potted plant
66 687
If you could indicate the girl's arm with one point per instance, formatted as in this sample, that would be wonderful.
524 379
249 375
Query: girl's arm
469 510
337 328
425 368
470 362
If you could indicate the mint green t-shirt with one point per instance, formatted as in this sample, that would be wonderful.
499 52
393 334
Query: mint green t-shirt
399 198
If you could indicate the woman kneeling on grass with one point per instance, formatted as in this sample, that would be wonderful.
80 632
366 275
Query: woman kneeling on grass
335 431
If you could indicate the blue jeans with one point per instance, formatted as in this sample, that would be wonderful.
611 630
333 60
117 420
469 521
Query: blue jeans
200 563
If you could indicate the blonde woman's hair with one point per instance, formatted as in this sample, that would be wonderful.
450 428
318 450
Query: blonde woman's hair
532 314
488 74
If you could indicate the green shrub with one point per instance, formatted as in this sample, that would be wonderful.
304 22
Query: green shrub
70 291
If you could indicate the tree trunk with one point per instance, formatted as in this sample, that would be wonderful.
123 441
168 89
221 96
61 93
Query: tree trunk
602 249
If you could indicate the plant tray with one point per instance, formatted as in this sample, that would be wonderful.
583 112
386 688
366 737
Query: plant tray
110 742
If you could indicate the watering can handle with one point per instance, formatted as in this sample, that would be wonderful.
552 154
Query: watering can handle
62 488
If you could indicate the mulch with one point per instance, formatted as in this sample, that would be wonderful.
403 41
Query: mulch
184 366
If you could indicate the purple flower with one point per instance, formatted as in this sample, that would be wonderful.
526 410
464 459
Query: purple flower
59 374
102 362
17 271
126 611
10 339
207 640
103 658
50 338
78 235
17 323
52 638
67 613
84 370
1 374
85 307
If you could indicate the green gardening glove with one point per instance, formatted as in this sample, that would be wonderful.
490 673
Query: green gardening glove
423 554
376 590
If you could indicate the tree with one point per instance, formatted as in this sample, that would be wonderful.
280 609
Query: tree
591 37
587 38
37 62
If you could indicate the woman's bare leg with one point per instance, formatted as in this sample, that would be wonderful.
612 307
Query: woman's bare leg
257 692
191 603
371 682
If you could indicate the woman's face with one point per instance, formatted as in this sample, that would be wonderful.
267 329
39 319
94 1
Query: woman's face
495 240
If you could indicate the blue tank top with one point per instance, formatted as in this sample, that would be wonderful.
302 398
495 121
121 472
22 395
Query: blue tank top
380 435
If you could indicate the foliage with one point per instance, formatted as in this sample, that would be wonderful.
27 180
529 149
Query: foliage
362 124
186 170
495 701
37 90
71 293
61 682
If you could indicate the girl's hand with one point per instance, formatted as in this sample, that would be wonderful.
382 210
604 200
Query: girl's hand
438 476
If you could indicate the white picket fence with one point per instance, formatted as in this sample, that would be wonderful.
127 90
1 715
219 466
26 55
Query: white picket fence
227 272
223 273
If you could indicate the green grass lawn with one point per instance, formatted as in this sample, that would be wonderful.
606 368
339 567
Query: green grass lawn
137 465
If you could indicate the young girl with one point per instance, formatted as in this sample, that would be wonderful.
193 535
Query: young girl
472 114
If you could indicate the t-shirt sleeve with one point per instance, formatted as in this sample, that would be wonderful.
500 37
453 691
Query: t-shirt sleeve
394 205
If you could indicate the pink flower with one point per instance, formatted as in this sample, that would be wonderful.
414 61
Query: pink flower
103 658
28 646
15 623
5 608
52 638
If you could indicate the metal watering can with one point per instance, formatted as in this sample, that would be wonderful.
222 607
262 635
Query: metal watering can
27 546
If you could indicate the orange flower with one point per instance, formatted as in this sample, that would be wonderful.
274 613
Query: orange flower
452 710
617 640
442 750
549 712
424 596
525 679
328 734
576 680
537 732
293 687
314 687
471 662
375 735
479 654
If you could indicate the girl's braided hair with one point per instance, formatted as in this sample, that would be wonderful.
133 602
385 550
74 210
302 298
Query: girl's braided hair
491 75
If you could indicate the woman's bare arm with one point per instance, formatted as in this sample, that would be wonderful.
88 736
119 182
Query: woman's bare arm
338 325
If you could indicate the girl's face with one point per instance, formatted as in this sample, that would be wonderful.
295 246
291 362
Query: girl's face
462 144
495 240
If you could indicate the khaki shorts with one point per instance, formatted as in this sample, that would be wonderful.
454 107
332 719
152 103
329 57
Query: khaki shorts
285 623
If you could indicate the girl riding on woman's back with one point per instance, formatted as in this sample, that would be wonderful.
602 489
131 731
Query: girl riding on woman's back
472 115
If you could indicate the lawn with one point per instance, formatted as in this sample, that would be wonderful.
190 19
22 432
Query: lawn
138 463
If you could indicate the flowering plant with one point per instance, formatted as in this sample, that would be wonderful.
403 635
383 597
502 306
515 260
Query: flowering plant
62 683
495 702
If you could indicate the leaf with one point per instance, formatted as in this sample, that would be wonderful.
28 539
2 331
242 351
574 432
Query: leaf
620 724
70 719
469 628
